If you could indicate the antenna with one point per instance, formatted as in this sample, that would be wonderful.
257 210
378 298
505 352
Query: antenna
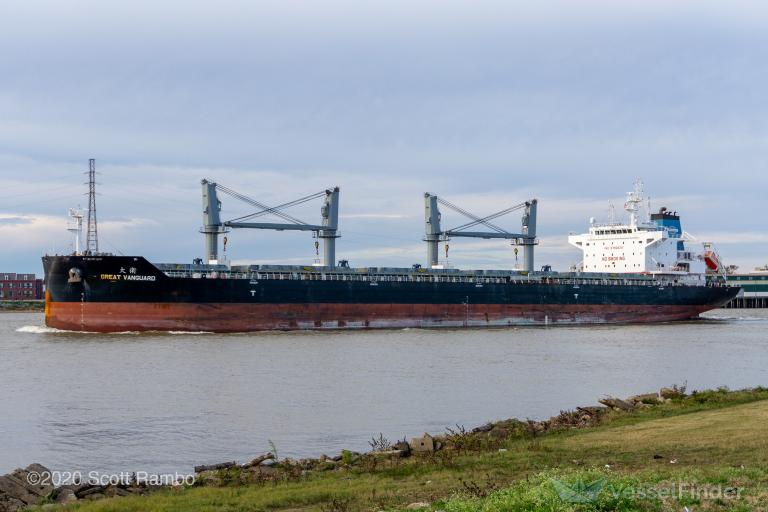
634 202
92 240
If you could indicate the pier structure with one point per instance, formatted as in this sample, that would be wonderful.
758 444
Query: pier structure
754 290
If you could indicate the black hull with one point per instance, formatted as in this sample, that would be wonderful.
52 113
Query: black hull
108 293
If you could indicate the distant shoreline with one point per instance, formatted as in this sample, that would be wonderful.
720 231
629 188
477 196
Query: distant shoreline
16 306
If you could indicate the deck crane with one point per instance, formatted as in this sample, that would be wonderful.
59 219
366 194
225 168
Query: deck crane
434 234
327 231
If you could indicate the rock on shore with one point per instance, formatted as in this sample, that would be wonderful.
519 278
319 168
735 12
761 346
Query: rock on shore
16 491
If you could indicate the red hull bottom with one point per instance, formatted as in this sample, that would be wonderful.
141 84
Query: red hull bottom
122 316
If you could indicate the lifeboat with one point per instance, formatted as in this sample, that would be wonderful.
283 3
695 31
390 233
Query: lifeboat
712 260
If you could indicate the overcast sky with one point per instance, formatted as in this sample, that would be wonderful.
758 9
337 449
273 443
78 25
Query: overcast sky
484 103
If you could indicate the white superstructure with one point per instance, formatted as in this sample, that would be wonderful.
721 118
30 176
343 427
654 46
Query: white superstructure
648 243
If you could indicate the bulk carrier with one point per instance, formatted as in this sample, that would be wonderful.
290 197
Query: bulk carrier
645 270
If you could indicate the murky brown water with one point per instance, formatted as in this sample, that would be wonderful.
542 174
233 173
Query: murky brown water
165 402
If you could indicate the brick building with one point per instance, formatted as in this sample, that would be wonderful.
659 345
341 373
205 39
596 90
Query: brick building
20 287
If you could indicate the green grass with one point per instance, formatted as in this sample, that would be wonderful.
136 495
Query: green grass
714 438
644 491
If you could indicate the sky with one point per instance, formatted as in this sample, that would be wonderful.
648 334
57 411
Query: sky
484 103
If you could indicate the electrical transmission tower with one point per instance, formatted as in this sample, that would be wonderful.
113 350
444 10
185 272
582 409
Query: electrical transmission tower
92 240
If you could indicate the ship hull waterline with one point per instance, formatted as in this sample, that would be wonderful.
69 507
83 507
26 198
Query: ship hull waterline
227 317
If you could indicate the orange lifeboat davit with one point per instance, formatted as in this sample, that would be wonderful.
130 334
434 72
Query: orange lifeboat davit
712 259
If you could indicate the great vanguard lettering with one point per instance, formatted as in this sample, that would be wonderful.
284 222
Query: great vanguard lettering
126 277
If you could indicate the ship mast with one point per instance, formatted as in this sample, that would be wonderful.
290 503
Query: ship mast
634 203
75 226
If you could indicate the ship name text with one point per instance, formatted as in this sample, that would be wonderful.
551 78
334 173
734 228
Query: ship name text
125 277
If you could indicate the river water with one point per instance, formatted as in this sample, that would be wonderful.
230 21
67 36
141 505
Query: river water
166 402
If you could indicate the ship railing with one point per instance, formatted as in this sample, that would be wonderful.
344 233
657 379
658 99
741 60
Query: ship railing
429 278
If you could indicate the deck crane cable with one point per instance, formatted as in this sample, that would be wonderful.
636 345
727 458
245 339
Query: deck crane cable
478 220
281 206
258 204
468 214
491 217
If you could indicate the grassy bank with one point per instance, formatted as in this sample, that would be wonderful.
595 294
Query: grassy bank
703 442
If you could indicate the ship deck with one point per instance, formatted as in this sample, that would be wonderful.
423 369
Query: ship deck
424 275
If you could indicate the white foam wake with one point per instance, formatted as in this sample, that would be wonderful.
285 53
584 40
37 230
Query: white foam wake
38 329
41 329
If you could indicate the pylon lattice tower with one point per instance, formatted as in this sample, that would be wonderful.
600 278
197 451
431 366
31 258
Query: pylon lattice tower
92 240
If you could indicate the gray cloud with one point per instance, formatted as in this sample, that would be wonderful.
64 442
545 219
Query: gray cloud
487 104
15 221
